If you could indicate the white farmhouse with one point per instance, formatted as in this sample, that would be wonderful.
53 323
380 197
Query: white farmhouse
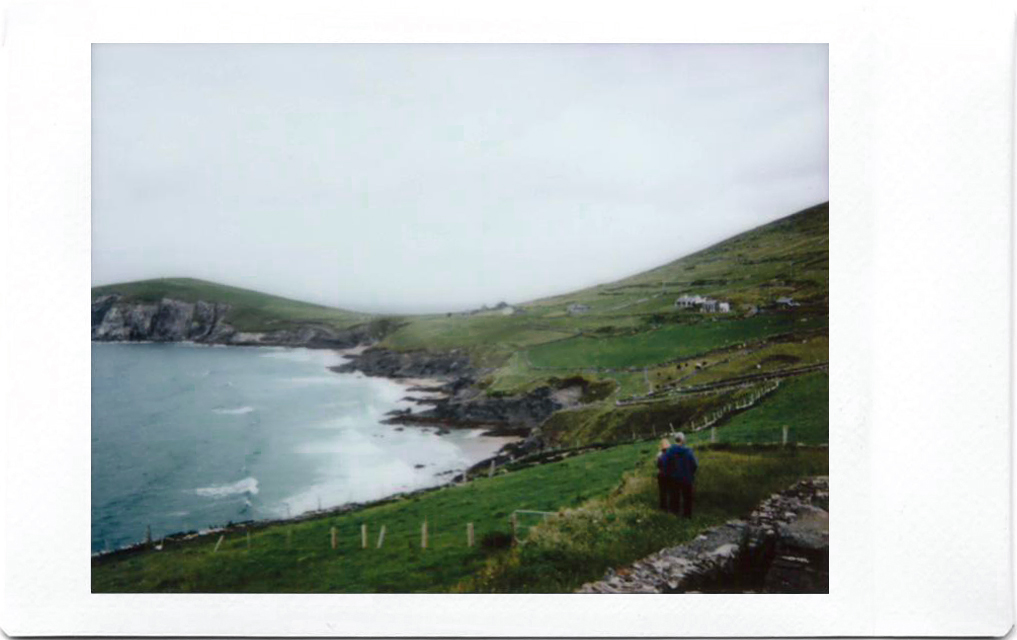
706 305
688 302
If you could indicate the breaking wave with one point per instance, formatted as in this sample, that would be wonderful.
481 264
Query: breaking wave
247 486
233 412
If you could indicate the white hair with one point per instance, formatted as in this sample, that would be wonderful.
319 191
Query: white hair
679 438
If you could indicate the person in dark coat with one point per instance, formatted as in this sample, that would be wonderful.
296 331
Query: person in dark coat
663 483
680 464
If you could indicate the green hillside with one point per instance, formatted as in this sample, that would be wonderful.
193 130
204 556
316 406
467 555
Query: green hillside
250 310
788 257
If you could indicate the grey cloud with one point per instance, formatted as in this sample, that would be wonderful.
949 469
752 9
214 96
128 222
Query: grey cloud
434 177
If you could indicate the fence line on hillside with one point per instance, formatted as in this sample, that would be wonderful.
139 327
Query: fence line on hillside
246 542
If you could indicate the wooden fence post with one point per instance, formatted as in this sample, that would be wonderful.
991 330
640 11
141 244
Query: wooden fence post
490 473
333 532
515 528
423 535
381 537
148 534
469 534
785 435
218 543
713 434
363 536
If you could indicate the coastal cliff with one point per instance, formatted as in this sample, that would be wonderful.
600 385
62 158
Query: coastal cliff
170 320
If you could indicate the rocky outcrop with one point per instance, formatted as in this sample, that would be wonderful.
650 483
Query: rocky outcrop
783 547
474 407
165 321
168 320
464 405
409 364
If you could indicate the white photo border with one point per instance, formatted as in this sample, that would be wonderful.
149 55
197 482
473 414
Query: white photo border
921 146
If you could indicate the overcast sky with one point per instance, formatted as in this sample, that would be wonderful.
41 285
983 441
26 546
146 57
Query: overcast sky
442 177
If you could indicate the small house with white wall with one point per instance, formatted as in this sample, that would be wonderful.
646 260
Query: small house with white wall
688 302
706 305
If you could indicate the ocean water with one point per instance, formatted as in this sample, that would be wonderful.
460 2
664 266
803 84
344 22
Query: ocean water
188 437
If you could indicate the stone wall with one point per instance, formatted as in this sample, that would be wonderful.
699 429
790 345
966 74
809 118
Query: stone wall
782 547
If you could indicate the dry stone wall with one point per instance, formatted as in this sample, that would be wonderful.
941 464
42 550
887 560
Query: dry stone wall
782 547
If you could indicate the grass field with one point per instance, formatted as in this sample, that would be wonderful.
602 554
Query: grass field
481 335
564 552
730 483
802 403
667 343
772 357
607 423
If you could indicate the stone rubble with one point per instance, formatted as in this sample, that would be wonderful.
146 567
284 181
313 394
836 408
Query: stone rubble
782 547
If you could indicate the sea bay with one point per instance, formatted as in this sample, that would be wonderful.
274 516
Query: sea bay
188 437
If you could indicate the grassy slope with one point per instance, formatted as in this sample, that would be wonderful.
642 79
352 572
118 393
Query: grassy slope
633 322
250 310
787 257
608 530
564 552
666 343
801 402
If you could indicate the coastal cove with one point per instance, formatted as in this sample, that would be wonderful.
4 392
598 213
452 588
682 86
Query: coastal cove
189 437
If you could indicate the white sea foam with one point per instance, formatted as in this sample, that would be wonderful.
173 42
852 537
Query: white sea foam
306 380
247 486
233 412
324 357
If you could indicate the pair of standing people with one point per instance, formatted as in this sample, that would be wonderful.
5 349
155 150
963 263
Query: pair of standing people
676 476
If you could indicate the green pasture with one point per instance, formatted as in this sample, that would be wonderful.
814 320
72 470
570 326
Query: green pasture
772 357
666 343
801 402
564 552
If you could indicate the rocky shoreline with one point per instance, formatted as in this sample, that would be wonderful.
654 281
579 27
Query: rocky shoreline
459 403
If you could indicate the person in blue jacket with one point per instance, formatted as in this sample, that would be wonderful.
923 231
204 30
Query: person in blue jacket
663 482
680 464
